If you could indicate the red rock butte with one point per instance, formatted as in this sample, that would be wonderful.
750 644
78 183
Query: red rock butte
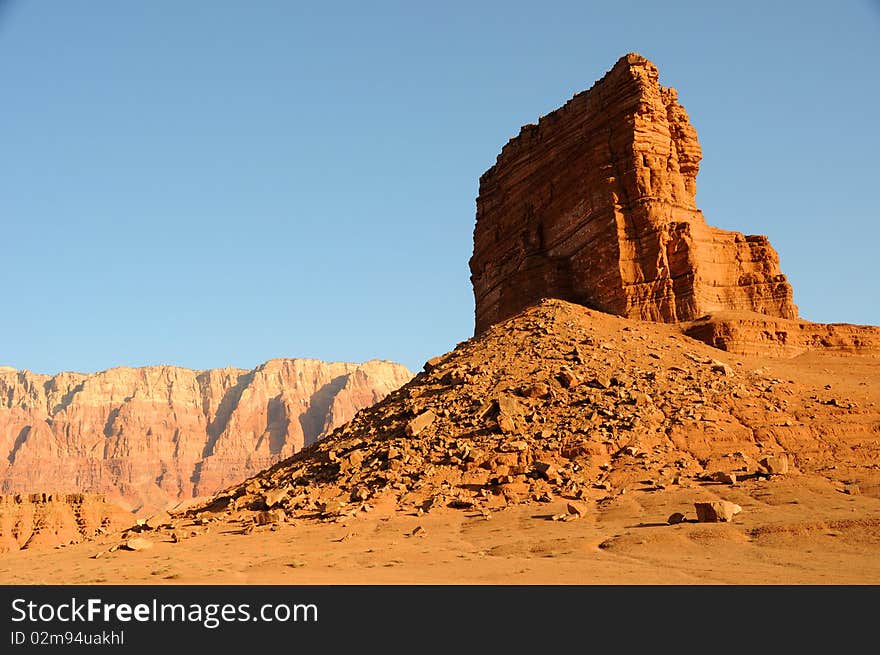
596 205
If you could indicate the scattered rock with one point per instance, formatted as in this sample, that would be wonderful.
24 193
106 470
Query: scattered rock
485 410
567 379
513 491
675 518
601 382
433 363
275 496
723 477
137 543
716 511
509 405
158 521
547 470
576 509
360 494
419 423
775 464
535 390
506 424
267 517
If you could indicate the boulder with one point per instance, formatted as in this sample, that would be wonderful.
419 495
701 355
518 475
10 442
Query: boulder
576 509
775 464
275 496
157 521
716 511
419 423
675 518
137 543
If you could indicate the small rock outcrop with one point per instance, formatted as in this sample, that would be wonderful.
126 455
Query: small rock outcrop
147 437
595 204
44 519
761 335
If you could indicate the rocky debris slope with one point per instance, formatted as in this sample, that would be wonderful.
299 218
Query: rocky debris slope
595 204
42 520
561 402
150 436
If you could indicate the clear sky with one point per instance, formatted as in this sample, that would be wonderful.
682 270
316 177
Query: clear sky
219 183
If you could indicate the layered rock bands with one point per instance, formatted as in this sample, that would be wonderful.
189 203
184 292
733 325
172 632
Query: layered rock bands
146 437
595 204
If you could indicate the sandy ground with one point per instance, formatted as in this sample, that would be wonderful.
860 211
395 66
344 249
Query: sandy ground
800 529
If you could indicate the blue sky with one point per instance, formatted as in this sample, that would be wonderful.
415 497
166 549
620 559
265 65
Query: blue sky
218 183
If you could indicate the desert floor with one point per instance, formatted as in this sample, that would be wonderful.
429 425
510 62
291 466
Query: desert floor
796 530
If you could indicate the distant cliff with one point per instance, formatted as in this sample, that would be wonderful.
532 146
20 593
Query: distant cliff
147 437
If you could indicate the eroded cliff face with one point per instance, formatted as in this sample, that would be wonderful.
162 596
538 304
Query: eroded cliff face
42 520
760 335
150 436
596 205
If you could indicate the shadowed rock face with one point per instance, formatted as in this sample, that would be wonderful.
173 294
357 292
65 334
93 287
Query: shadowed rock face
149 436
596 205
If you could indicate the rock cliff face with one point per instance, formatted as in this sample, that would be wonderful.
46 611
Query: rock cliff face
757 334
595 204
150 436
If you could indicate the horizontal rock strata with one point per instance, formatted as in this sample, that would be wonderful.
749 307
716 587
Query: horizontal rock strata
595 204
150 436
755 334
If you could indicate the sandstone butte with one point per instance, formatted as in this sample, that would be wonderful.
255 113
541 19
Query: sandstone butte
150 437
595 204
593 209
